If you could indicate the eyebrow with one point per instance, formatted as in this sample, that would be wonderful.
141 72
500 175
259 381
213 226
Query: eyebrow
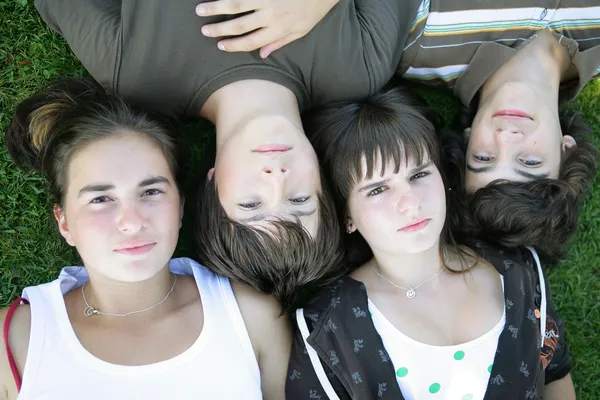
261 217
518 171
102 187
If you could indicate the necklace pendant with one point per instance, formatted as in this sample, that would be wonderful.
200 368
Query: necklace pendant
89 311
410 293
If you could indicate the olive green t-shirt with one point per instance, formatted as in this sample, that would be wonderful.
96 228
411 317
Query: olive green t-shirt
153 52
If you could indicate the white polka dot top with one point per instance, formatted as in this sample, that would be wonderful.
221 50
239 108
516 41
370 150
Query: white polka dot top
423 371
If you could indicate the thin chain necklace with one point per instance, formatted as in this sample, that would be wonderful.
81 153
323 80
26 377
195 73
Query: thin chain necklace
410 291
91 310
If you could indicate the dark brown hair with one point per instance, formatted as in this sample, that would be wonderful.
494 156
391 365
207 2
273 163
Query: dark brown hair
48 128
390 126
541 213
284 261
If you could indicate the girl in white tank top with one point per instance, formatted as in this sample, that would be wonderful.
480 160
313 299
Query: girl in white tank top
131 323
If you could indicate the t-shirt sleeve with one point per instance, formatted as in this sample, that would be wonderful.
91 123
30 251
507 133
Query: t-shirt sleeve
302 381
91 28
385 26
555 353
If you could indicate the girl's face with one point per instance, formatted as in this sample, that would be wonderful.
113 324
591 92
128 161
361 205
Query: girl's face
122 209
399 213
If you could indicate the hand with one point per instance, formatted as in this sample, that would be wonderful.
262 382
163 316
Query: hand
271 25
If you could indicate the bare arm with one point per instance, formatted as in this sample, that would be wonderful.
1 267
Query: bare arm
18 339
270 334
271 24
561 389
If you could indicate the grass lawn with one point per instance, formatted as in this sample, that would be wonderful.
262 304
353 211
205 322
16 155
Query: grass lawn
32 252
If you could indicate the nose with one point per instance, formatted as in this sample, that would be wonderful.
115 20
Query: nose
131 219
508 132
277 173
408 204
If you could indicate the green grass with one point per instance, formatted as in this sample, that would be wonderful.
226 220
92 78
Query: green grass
32 252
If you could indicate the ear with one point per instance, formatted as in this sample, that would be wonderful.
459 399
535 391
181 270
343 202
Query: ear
467 133
350 228
568 143
210 173
61 219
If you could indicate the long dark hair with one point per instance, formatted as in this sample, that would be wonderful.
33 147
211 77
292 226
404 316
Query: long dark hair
392 125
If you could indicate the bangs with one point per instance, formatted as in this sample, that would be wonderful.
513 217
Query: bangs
381 138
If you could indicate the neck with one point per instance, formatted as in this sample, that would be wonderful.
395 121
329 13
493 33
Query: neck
540 64
408 270
233 106
114 297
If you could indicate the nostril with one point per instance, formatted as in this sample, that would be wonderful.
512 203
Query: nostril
267 170
284 170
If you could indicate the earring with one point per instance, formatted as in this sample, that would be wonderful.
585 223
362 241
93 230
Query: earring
349 231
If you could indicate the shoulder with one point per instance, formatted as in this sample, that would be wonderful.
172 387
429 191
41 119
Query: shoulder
18 341
266 323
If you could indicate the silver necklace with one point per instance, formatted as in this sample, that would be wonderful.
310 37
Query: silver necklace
91 310
410 291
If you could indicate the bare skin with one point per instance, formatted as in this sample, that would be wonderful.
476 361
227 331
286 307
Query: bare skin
268 331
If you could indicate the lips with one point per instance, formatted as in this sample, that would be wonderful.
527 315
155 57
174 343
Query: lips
513 114
272 148
135 248
415 226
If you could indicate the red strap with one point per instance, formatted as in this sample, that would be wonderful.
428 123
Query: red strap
11 359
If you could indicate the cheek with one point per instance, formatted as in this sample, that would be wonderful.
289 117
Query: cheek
90 230
373 217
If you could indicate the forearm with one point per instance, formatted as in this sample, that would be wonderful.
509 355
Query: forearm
561 389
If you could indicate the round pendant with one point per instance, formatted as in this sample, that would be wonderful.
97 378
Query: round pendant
89 311
410 293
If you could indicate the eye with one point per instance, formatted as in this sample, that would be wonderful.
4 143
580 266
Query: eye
101 199
300 200
484 159
152 192
420 175
530 163
377 191
251 205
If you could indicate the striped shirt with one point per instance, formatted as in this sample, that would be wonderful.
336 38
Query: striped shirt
461 43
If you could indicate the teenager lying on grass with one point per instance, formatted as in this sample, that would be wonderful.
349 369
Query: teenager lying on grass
419 314
266 195
527 164
131 322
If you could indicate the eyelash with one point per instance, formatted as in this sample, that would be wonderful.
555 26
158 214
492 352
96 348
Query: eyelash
536 163
250 206
420 175
300 200
480 158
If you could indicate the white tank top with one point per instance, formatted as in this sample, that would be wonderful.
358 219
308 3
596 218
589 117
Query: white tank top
219 365
424 371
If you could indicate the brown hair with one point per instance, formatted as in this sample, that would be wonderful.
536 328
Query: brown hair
541 213
391 125
48 128
287 263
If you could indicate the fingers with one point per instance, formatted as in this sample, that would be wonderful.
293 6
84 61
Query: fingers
227 7
234 27
252 41
265 51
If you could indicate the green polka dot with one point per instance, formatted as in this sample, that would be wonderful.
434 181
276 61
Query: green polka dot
490 368
434 388
467 396
402 372
459 355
